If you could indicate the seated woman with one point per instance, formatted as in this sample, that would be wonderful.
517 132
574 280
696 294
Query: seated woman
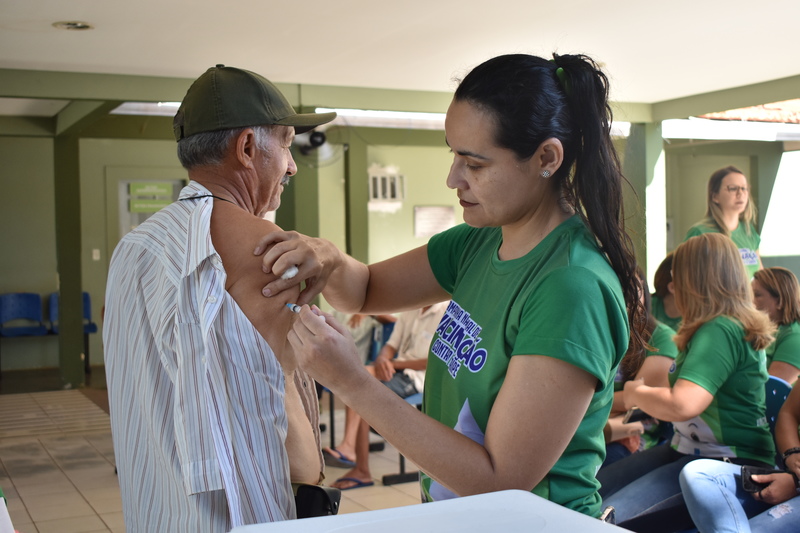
718 503
663 299
652 366
777 293
717 399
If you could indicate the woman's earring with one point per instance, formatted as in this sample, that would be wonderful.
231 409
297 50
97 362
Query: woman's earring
545 174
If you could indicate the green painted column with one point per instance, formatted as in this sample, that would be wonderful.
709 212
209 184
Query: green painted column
68 255
644 166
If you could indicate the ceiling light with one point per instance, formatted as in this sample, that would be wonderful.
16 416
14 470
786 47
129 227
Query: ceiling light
704 129
159 109
385 119
73 25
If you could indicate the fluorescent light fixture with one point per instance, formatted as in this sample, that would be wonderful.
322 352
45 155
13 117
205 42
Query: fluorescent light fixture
386 119
159 109
414 120
730 130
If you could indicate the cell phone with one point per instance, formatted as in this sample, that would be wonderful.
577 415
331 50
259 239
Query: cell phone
635 415
747 481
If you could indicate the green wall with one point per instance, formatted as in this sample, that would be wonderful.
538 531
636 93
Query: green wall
105 162
425 171
28 239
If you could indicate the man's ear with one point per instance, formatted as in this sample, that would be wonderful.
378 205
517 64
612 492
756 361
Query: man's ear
246 148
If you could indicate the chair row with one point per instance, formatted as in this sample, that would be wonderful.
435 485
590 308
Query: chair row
21 315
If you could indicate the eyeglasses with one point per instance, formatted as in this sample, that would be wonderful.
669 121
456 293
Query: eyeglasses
735 190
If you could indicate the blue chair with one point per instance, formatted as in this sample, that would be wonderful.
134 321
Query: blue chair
403 476
21 315
777 390
89 327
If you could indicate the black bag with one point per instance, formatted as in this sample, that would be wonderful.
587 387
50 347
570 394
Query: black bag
316 500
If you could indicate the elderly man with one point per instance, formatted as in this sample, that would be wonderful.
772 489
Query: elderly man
205 397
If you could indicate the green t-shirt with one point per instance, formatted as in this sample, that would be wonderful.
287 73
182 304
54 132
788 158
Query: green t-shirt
662 341
748 243
657 310
561 300
786 347
719 359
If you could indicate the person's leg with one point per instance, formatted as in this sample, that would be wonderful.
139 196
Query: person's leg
359 475
713 494
782 518
625 471
656 491
346 449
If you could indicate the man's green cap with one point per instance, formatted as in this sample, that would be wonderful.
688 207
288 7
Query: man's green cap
227 97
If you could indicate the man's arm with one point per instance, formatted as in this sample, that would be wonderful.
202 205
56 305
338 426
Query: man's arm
234 233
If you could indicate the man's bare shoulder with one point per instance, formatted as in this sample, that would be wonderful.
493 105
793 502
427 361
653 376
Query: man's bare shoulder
234 234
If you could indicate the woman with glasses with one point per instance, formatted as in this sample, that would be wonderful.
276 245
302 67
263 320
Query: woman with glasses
731 213
777 293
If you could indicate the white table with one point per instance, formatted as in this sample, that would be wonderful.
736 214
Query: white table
506 511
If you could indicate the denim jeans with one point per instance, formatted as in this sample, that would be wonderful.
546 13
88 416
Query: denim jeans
645 491
716 501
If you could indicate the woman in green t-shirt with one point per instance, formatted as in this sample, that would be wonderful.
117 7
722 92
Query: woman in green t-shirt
663 299
731 213
716 398
542 285
777 293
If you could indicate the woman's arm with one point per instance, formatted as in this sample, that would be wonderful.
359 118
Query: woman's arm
654 372
533 391
401 283
786 429
683 401
785 371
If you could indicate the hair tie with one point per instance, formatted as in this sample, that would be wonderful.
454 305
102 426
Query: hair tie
562 80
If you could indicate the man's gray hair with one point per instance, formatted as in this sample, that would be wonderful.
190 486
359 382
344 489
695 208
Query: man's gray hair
208 148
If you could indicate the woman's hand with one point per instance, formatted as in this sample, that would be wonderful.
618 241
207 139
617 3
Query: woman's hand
384 368
315 260
793 464
781 488
619 430
325 349
630 388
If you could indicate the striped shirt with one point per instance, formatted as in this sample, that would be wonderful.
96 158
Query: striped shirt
196 394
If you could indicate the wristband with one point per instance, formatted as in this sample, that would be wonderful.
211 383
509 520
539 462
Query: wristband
790 451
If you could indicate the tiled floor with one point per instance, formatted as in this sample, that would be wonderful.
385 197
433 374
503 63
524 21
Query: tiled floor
57 466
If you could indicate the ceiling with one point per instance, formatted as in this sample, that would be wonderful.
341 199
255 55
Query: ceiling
652 52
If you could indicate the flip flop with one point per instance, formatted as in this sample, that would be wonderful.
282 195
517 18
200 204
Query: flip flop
337 459
358 483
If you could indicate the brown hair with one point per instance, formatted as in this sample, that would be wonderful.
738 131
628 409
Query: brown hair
714 212
710 281
782 284
663 277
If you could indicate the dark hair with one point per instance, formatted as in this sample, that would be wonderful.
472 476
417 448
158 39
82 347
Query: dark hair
532 100
663 277
635 356
714 212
